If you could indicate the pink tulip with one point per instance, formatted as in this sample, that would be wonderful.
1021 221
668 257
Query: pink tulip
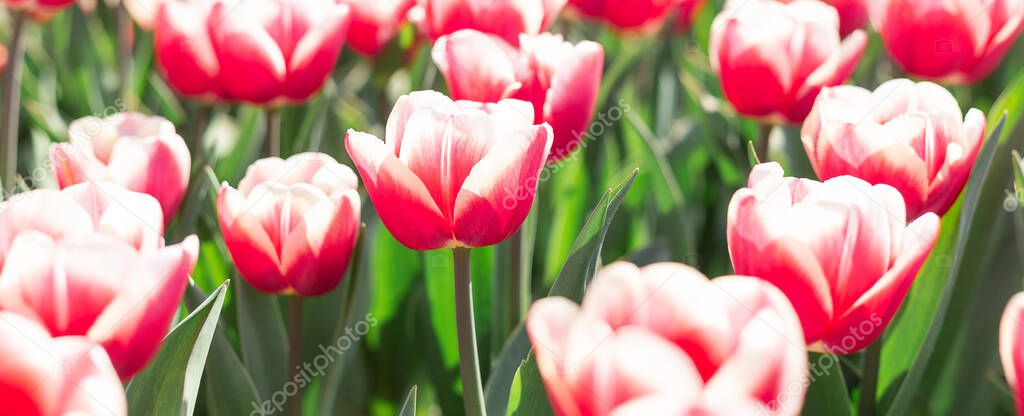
504 18
1011 350
99 287
853 14
772 59
664 340
911 136
292 224
841 250
80 210
44 376
560 79
141 153
375 23
959 41
642 15
686 12
264 52
452 174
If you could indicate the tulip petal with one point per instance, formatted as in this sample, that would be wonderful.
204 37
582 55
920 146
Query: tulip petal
317 51
251 247
476 66
317 252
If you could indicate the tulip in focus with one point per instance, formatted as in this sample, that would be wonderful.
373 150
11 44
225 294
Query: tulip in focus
959 42
292 224
1011 348
452 174
263 52
141 153
664 340
641 15
560 79
841 250
686 12
772 59
375 23
505 18
911 136
45 376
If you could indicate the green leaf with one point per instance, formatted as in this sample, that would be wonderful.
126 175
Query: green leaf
262 337
409 406
826 395
170 384
579 269
527 396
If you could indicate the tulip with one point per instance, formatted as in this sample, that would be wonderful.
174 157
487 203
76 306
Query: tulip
39 9
141 153
911 136
375 23
772 59
841 250
664 340
504 18
1011 351
686 12
99 287
452 174
640 15
959 42
560 79
264 52
47 376
292 224
853 14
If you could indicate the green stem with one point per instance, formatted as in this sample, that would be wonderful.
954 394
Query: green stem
469 361
294 349
272 144
869 381
764 134
9 109
125 55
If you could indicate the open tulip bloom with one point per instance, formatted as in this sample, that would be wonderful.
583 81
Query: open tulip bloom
841 251
664 340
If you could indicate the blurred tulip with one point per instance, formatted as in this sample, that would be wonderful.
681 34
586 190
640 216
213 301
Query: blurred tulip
772 59
264 52
292 224
957 42
664 340
99 287
911 136
375 23
452 174
840 250
141 153
560 79
853 14
642 15
39 9
504 18
686 12
143 12
1011 348
3 58
44 376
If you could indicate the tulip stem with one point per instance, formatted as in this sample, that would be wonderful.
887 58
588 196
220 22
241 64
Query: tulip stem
469 361
869 380
272 144
125 55
764 135
9 110
295 349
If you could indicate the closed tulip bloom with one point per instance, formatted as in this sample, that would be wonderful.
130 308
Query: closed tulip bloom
560 79
959 42
292 224
99 287
45 376
640 15
375 23
841 250
452 174
773 59
664 340
1011 348
141 153
911 136
263 52
505 18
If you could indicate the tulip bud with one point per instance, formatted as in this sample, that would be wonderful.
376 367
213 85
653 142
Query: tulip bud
958 42
560 79
840 250
911 136
505 18
141 153
452 174
53 376
664 340
772 59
